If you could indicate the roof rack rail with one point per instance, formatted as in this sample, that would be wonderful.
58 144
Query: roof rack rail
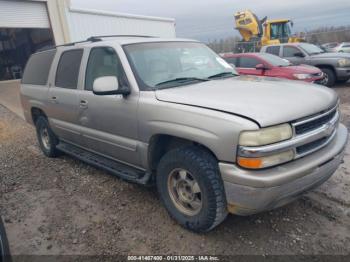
98 38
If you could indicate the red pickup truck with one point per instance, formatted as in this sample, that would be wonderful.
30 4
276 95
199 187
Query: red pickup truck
262 64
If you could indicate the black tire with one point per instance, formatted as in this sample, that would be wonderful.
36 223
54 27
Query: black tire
4 246
329 77
48 147
204 169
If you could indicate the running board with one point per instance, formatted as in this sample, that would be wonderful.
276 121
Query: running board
123 171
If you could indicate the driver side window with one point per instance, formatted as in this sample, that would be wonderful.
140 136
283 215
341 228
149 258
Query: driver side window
290 51
104 61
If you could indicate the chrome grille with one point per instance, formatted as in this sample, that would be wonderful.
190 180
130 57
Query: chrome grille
315 123
324 124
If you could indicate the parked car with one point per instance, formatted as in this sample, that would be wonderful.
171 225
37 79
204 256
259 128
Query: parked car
263 64
174 113
342 48
329 47
335 66
4 247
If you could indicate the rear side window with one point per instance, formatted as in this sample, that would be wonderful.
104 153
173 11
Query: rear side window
248 62
275 50
38 68
68 69
231 60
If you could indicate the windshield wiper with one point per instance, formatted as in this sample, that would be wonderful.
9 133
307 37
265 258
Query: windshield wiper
182 80
222 74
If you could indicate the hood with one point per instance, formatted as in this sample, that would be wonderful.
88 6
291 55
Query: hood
267 101
302 69
331 55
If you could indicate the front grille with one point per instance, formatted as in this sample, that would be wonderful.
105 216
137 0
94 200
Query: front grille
311 146
314 124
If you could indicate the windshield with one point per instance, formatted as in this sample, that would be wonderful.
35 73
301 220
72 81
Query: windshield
311 49
275 60
173 64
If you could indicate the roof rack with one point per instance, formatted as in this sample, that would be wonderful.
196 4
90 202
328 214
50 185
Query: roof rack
98 38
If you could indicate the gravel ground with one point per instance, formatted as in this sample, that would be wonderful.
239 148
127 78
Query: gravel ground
63 206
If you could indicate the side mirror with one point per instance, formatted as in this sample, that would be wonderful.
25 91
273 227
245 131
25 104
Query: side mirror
261 67
300 54
108 85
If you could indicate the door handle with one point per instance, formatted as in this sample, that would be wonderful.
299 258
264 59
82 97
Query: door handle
54 99
83 103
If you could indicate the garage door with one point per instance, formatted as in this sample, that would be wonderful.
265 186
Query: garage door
23 14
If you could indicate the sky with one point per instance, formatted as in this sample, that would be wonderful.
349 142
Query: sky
207 20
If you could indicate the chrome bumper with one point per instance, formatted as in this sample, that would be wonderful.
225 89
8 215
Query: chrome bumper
253 191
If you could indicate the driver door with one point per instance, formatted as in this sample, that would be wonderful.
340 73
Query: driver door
109 122
293 54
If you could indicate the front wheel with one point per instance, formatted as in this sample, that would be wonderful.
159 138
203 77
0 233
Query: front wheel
191 188
329 77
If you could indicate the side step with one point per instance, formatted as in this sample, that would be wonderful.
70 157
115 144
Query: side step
115 168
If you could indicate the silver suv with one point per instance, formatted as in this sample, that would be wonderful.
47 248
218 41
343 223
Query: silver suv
173 113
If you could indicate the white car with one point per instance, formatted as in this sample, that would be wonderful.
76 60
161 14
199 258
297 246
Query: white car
343 47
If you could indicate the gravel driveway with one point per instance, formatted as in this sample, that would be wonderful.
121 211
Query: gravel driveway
63 206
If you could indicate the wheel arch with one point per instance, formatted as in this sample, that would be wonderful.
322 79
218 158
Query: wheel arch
160 144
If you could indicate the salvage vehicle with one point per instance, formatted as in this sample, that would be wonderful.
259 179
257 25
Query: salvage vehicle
335 66
262 64
4 247
171 112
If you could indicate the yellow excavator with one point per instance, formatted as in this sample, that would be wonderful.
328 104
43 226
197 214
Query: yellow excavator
264 32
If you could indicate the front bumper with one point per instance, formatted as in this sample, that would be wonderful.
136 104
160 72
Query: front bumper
343 73
252 191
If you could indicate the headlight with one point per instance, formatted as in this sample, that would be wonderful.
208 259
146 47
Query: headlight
266 136
266 161
302 76
344 62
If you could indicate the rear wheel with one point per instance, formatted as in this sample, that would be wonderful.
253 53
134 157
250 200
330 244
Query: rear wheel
190 186
46 138
329 77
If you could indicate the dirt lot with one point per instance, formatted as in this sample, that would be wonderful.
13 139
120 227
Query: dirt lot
63 206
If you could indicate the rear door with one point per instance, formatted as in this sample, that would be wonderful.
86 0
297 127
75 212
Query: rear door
63 97
247 66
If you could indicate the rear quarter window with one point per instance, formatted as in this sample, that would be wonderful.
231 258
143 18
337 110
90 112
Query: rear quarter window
38 68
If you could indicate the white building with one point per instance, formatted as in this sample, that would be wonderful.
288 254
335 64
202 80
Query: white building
31 25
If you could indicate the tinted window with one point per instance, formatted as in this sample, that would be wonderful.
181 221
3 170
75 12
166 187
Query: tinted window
346 45
290 51
248 62
68 69
38 68
274 60
231 60
275 50
103 61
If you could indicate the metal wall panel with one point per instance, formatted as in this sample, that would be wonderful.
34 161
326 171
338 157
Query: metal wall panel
23 14
85 23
